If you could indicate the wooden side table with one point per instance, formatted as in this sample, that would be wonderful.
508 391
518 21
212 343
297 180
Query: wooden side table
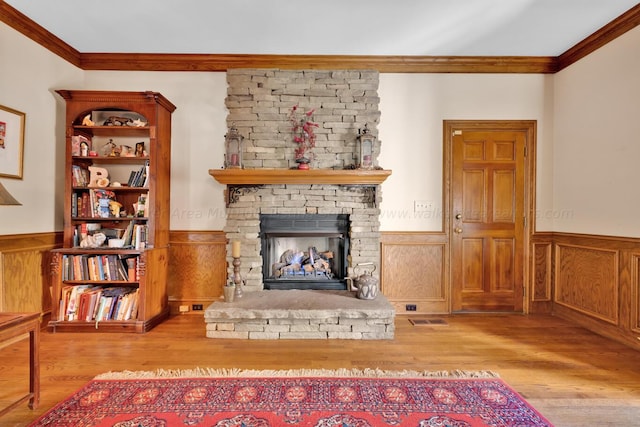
12 327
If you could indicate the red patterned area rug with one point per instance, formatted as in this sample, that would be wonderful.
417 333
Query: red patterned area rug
344 398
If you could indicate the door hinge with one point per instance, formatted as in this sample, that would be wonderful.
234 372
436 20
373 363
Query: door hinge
525 222
525 151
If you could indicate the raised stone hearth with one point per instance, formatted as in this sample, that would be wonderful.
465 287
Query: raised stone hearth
301 314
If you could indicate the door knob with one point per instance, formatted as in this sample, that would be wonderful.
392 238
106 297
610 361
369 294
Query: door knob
458 216
457 230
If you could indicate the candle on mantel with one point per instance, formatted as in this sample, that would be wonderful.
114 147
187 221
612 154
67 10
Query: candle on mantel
235 249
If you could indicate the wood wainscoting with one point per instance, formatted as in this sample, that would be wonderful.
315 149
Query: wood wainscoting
197 269
25 278
593 281
541 273
414 271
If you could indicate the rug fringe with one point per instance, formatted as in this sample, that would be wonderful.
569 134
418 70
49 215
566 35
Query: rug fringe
343 372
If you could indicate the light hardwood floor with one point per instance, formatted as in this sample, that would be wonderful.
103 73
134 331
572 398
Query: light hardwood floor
572 376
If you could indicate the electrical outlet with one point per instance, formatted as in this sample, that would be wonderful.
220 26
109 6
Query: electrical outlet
196 307
410 307
422 206
184 309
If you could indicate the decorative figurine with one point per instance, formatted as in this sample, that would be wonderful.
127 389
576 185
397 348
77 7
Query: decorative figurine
114 208
126 151
84 149
110 149
137 123
117 121
87 121
93 241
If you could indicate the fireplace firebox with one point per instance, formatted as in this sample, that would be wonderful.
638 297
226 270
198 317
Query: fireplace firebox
304 251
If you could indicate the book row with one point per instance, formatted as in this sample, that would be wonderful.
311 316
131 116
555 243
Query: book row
107 267
79 176
93 204
139 178
90 303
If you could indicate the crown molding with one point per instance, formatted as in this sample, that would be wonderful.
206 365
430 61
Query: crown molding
614 29
384 64
29 28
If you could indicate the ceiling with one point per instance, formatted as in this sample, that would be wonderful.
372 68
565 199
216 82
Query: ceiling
325 27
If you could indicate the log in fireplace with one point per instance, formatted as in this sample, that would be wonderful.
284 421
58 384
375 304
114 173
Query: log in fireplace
304 251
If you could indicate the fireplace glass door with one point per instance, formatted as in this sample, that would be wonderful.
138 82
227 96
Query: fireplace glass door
304 251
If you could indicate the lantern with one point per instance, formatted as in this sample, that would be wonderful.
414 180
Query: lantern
233 149
365 149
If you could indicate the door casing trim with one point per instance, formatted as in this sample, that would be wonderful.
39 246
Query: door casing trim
530 128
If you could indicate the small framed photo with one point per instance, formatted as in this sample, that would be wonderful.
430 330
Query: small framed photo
12 124
140 151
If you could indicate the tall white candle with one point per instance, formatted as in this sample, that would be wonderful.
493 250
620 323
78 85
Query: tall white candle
235 249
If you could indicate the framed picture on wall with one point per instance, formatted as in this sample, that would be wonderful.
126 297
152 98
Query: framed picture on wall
11 142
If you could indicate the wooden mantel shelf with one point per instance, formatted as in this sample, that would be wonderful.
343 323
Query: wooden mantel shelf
295 176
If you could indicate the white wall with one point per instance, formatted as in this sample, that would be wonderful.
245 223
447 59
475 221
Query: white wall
413 108
28 75
197 140
597 141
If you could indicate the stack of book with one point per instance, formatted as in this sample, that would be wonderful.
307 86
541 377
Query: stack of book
140 177
79 176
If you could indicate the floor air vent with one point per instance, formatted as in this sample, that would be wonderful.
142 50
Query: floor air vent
428 322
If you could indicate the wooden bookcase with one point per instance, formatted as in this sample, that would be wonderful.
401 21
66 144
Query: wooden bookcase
135 154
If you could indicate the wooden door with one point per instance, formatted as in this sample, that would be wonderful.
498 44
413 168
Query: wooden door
487 219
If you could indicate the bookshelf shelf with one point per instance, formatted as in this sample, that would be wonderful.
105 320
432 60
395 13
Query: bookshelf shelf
100 250
101 282
107 159
96 287
110 219
121 188
113 130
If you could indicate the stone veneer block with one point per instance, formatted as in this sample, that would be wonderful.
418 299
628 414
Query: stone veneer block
301 314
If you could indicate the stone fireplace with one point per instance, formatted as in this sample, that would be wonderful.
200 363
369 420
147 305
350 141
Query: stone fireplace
302 233
259 103
356 205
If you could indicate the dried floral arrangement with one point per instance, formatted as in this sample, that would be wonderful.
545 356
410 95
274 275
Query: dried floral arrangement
302 127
